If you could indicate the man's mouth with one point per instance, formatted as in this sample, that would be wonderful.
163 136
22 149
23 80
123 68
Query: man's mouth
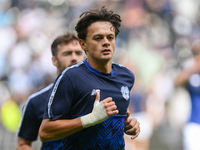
106 51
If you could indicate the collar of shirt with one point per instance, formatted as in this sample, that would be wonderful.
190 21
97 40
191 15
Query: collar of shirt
98 72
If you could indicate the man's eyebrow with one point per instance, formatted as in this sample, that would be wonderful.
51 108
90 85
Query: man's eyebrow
67 52
97 35
103 34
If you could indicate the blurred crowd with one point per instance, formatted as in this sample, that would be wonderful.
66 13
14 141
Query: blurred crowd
155 42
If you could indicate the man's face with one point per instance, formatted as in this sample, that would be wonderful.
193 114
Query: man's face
100 42
68 54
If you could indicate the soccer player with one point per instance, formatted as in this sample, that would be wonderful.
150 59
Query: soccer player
66 51
88 103
190 79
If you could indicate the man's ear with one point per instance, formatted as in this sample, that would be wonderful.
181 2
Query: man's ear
82 44
54 61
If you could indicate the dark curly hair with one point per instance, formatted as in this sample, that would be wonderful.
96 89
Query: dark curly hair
91 16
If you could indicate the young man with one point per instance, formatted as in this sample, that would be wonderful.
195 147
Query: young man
190 79
66 51
88 103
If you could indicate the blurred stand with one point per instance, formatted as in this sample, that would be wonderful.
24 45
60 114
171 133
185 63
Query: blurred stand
154 41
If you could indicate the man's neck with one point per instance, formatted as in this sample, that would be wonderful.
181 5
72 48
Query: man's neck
102 66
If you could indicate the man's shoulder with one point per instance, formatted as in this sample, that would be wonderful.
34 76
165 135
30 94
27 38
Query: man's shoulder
123 71
121 67
74 69
40 95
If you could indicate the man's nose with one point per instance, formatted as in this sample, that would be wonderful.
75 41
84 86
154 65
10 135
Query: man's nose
106 42
74 57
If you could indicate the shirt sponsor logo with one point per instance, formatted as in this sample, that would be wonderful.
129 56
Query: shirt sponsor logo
94 91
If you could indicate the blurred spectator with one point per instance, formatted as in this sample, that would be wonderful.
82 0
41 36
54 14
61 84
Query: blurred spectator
190 78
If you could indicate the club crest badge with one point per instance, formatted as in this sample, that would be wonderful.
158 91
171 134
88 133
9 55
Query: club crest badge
125 92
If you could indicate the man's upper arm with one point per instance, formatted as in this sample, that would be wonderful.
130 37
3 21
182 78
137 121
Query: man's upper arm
59 100
29 127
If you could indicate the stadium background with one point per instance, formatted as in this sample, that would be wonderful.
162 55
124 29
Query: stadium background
154 42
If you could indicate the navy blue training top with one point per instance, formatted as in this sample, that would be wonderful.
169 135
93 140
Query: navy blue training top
32 116
73 95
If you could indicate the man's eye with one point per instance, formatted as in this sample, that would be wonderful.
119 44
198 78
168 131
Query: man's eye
66 54
110 38
97 38
79 53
